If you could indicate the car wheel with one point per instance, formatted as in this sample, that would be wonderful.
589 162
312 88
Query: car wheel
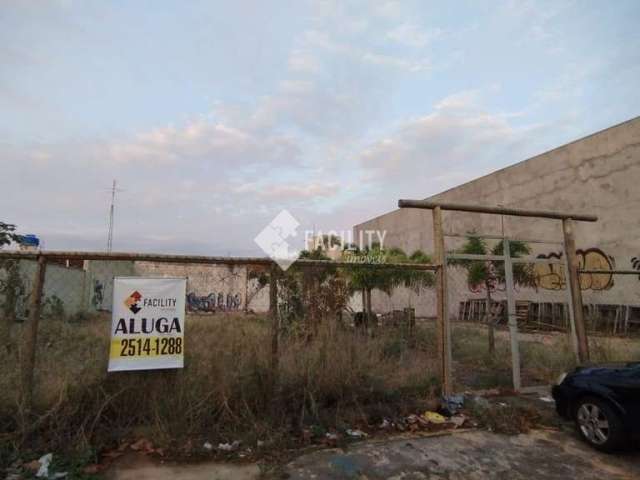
598 424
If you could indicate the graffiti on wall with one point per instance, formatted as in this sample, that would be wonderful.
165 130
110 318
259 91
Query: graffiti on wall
98 294
211 303
553 277
635 263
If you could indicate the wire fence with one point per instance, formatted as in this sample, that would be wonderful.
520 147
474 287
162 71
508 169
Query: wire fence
386 311
319 335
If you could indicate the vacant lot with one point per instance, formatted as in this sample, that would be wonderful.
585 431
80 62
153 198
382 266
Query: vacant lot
334 378
227 389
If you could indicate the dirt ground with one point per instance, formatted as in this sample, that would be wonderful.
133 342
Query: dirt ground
540 454
469 455
552 451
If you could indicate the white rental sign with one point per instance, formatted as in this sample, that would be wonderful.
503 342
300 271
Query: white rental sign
147 329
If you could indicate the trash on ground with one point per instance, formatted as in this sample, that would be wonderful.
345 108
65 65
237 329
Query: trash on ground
142 445
44 461
331 439
385 424
451 404
433 417
356 433
457 420
547 399
207 446
229 447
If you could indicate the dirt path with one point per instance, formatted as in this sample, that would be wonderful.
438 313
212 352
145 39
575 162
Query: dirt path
140 467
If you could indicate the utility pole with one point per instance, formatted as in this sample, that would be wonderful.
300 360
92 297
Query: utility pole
111 211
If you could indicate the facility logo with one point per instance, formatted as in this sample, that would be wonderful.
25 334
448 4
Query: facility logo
273 239
131 302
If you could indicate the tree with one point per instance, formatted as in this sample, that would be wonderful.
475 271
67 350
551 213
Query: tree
7 234
11 286
367 279
312 279
488 274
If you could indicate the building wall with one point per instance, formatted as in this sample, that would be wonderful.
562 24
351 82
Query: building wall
98 290
213 287
599 174
71 290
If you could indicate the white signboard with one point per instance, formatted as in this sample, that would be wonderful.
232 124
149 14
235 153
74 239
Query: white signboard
147 329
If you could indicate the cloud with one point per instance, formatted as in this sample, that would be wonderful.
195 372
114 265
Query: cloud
298 191
458 141
411 35
324 41
303 61
205 141
397 62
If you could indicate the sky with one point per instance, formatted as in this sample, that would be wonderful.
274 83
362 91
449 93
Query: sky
213 116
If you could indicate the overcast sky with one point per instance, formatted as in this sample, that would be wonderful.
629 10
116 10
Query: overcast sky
214 116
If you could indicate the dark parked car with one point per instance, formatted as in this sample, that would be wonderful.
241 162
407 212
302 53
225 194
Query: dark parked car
604 401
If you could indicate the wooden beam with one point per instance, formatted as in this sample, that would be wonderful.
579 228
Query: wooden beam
443 332
161 258
274 318
30 336
515 212
512 319
576 292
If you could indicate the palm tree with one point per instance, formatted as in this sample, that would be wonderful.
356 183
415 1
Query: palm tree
367 279
487 274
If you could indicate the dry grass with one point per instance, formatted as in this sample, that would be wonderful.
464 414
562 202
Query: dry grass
338 379
542 356
225 391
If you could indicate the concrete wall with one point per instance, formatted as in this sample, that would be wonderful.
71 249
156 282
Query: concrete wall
213 287
98 292
89 289
599 174
63 289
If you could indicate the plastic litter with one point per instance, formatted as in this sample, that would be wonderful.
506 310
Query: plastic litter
457 420
356 433
207 446
547 399
451 404
229 447
433 417
44 461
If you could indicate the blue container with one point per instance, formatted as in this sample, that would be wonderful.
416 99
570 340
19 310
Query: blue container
29 240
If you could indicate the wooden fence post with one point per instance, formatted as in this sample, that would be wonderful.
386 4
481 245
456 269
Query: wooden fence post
274 319
442 322
576 292
30 337
512 318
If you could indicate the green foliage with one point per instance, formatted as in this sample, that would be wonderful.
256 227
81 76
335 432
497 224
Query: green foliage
386 279
12 288
481 272
7 234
